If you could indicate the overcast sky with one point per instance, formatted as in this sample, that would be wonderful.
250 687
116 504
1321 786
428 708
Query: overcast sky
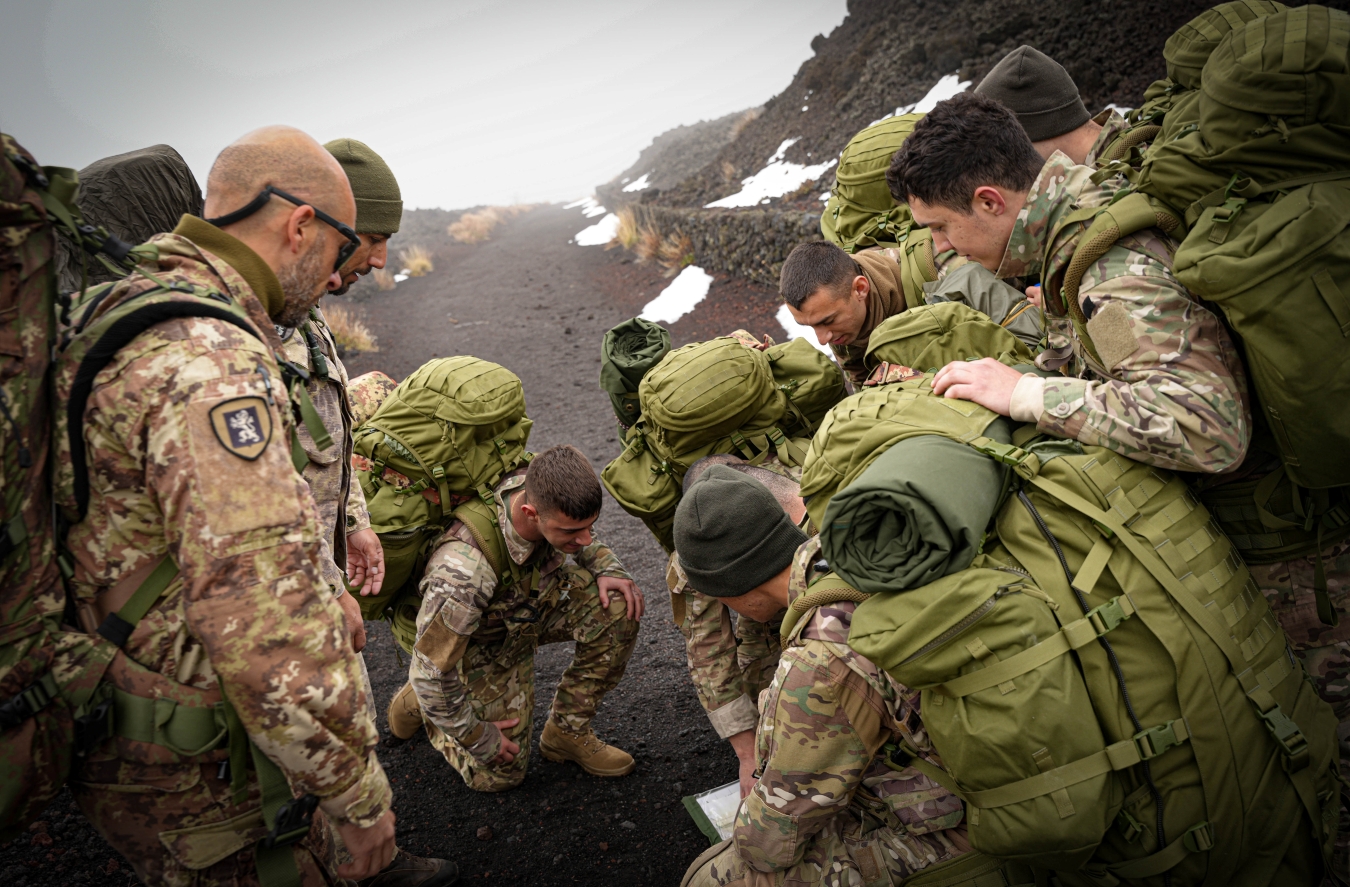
470 102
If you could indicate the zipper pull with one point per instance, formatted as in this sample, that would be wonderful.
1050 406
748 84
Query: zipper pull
267 383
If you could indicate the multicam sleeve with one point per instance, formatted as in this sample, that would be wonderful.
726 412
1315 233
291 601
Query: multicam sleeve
601 560
1175 392
819 731
240 524
457 586
710 645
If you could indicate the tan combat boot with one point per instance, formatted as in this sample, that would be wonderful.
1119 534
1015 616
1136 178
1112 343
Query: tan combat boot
405 715
594 756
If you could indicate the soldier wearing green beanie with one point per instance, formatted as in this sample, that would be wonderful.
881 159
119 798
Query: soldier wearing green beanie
379 206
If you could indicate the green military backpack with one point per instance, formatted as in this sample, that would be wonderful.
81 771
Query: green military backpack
718 396
861 212
445 435
928 337
1109 691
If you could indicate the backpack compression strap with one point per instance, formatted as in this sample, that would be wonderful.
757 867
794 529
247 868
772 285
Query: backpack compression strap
828 590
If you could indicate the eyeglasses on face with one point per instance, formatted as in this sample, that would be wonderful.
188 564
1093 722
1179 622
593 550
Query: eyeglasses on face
257 203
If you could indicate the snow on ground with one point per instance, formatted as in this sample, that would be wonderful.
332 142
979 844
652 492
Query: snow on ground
640 184
795 330
684 293
590 207
1120 109
944 89
599 234
778 177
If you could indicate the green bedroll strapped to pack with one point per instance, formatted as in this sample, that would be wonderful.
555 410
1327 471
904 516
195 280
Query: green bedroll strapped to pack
628 351
861 211
718 396
446 434
1108 689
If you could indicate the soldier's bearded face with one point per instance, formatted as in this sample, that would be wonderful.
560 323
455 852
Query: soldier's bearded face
373 253
303 282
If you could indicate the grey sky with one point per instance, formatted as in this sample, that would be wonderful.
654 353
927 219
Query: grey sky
470 102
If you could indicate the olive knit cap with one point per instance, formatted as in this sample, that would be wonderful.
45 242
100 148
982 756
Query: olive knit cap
379 204
731 534
1039 91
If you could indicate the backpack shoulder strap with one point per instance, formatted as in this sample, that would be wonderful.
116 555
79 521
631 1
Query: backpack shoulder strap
829 589
119 331
480 518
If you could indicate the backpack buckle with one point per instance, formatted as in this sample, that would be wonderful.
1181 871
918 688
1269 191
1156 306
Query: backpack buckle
1109 615
1289 737
1198 838
92 729
1156 740
292 823
1024 464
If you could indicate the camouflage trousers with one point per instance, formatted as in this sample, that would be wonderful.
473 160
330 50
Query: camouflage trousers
840 855
177 825
1325 650
500 679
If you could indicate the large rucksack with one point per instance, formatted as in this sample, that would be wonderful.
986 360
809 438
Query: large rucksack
718 396
1258 191
444 437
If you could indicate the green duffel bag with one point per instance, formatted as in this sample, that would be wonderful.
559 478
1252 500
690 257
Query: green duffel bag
928 337
861 212
446 434
718 396
1205 753
628 351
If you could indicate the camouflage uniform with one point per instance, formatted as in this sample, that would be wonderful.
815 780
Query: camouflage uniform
248 614
829 807
473 662
1172 392
341 504
1112 124
729 665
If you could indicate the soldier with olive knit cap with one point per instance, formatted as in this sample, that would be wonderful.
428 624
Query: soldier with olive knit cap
829 807
1045 99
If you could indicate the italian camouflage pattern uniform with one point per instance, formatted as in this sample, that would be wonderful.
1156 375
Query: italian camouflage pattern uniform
249 613
473 662
729 664
1170 390
341 504
829 807
1113 123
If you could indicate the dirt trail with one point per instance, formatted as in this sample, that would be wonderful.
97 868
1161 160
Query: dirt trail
539 305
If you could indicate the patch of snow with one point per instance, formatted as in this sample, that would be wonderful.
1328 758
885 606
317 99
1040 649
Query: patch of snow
778 177
590 207
945 88
795 330
825 197
679 298
1120 109
639 184
599 234
805 108
399 278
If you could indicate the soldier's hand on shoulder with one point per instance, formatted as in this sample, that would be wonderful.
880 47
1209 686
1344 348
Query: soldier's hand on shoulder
632 596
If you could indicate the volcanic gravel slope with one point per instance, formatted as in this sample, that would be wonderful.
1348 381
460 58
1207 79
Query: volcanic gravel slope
534 302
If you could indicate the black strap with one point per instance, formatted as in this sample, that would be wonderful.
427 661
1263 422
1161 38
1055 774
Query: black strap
119 335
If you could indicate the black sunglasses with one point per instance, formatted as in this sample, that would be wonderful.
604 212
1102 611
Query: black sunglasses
345 253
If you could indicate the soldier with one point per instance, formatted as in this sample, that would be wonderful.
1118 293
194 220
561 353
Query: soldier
843 298
731 665
1045 99
186 433
471 681
1164 386
827 718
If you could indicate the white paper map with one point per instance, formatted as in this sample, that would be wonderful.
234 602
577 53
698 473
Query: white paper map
719 805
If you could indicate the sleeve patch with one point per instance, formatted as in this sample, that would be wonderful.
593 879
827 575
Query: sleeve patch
243 425
1113 334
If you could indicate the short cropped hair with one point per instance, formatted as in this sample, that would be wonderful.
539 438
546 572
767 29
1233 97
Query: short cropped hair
783 488
561 480
813 265
966 142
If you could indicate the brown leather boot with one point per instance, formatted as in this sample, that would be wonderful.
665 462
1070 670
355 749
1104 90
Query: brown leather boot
405 714
595 757
414 871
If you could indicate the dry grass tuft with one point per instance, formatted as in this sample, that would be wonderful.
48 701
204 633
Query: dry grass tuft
417 260
648 245
627 234
475 227
675 251
743 121
349 331
384 278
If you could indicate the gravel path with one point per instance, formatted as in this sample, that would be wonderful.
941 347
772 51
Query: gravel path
530 300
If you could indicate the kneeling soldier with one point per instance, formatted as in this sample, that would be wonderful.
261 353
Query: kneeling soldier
488 603
830 806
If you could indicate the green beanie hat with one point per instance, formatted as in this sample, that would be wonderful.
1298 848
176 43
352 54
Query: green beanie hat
731 534
1039 91
379 204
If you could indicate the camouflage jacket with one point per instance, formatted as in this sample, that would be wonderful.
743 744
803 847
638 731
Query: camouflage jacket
341 504
728 665
464 602
1170 390
827 719
188 456
1112 124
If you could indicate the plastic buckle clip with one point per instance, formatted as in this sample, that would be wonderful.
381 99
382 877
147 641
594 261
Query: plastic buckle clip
293 821
1108 616
1198 838
1156 740
1290 738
